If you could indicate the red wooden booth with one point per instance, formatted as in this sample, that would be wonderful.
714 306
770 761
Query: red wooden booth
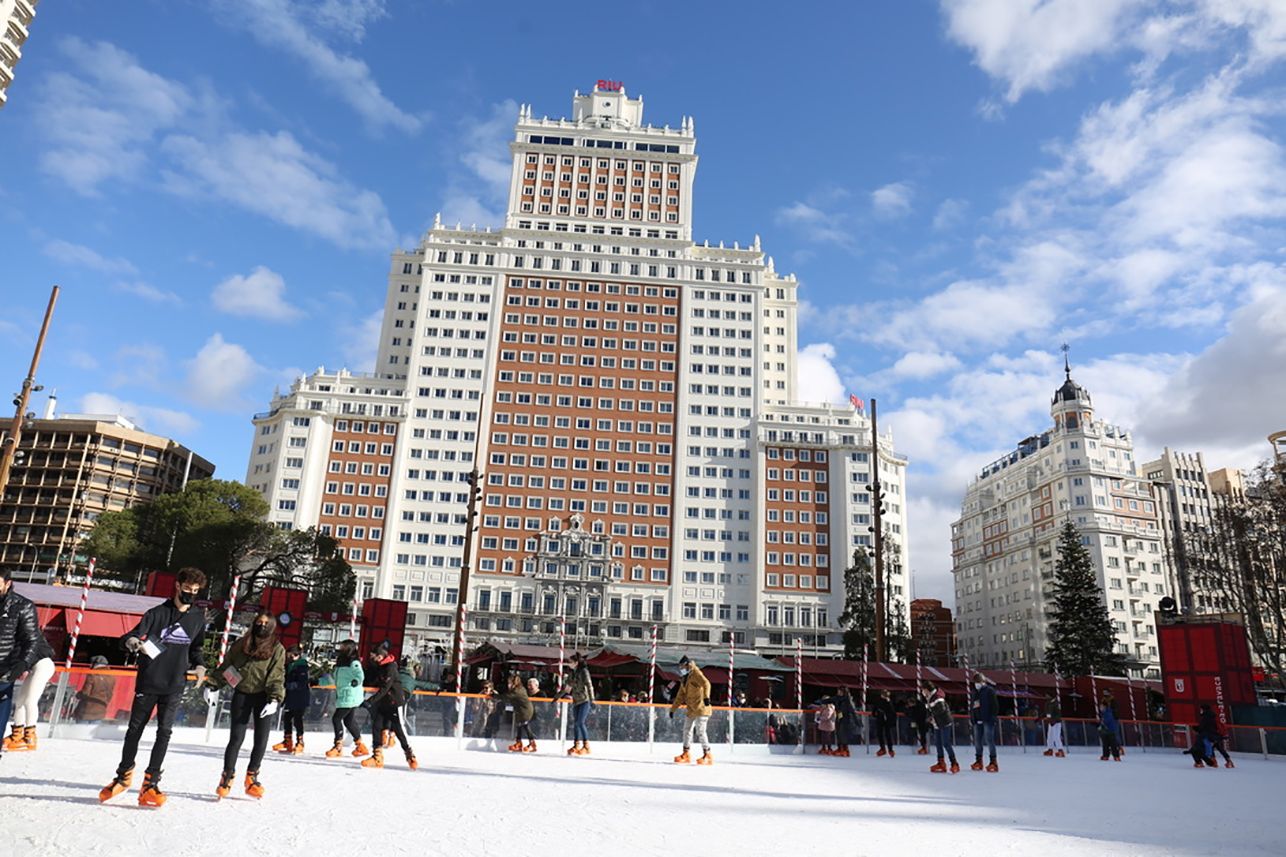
288 606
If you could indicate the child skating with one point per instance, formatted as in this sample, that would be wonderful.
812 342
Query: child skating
349 677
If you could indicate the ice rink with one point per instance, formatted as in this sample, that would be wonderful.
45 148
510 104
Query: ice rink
623 801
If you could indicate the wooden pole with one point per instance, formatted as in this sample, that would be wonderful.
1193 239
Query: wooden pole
10 447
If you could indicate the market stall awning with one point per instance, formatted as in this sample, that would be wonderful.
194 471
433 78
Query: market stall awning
100 623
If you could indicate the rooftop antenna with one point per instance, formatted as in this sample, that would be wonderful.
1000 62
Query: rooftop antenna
1067 366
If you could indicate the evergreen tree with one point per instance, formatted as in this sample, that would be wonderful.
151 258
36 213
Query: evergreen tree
1081 638
858 618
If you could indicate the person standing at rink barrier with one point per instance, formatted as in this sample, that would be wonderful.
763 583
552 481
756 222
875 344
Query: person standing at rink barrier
255 669
168 642
581 689
524 712
846 720
919 713
983 715
349 677
1054 730
22 647
694 695
940 716
825 718
298 696
385 707
886 720
1107 730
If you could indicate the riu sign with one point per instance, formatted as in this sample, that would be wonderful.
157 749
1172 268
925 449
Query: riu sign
610 85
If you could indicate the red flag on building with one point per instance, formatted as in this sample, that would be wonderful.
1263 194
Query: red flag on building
856 402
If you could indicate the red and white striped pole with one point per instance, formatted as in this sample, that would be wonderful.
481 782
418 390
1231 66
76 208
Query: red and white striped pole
731 662
352 621
1058 695
1129 688
1013 685
866 733
80 613
227 624
651 669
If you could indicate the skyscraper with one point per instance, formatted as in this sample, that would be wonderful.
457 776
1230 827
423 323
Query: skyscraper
631 400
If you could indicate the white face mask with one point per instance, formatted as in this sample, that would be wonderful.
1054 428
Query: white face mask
977 685
683 670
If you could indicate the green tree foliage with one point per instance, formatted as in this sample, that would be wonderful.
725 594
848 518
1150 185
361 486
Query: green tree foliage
1081 638
858 619
221 527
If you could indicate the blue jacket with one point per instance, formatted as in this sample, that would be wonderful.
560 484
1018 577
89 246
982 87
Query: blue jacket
297 695
1107 717
348 685
984 704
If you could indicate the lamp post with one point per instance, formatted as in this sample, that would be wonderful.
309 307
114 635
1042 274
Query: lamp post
9 449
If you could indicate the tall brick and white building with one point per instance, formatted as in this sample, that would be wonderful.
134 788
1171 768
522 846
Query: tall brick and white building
16 17
630 397
1004 545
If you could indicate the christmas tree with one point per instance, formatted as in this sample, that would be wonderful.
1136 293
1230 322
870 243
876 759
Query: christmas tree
1081 638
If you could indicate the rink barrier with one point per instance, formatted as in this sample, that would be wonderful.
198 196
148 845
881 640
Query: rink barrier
467 715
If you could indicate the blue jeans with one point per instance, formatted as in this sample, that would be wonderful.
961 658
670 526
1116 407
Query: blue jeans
6 702
580 714
942 735
983 730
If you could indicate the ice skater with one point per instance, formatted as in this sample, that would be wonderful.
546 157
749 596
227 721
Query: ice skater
296 705
1107 725
581 689
846 720
983 713
920 723
1210 739
825 719
349 677
385 707
939 711
1054 730
168 642
693 695
886 720
524 711
255 669
22 647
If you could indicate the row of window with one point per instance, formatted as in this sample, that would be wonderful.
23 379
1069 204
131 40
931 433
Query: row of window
425 595
604 163
821 560
601 212
348 489
580 228
785 615
585 178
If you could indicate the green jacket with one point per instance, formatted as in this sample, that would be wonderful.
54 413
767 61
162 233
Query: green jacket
523 709
348 685
266 676
580 686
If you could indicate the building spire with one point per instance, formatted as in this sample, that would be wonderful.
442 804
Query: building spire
1067 366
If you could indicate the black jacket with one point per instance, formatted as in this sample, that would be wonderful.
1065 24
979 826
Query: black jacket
883 710
1208 725
919 711
180 635
390 694
21 642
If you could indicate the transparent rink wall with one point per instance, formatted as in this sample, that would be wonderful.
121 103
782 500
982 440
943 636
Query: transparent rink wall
101 698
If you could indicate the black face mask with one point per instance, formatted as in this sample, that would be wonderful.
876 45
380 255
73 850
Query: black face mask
186 597
261 630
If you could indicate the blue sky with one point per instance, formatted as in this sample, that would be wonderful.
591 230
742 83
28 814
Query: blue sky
960 187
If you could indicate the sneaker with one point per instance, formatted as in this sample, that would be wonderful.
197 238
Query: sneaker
150 794
254 788
119 783
225 785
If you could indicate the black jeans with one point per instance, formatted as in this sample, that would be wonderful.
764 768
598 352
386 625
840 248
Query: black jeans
523 730
386 717
245 707
345 718
166 705
884 733
294 720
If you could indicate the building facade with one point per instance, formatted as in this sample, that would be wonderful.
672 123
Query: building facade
16 16
933 633
1004 544
73 468
629 397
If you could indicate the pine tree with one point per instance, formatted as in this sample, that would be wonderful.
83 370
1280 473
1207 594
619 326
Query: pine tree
858 618
1081 638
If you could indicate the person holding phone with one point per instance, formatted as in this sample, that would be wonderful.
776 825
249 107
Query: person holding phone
255 669
168 642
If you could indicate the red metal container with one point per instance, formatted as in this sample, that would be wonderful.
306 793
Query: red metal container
288 606
1205 660
382 619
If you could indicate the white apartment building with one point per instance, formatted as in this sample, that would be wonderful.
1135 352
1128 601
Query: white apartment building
1004 545
629 396
16 16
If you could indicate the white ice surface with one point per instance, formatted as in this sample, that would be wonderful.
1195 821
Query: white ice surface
620 801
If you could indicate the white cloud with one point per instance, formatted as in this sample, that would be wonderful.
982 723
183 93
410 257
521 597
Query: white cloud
359 341
259 294
283 25
892 200
148 292
140 364
477 195
816 377
275 176
80 256
218 374
815 224
950 214
924 364
1031 44
150 417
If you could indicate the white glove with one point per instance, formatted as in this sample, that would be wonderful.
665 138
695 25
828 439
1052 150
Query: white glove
133 644
210 695
270 709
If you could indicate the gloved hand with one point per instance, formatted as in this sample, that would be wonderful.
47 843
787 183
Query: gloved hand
707 700
199 672
365 704
671 713
133 644
210 695
270 709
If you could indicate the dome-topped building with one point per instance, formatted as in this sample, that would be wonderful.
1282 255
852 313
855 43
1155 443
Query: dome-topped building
1071 406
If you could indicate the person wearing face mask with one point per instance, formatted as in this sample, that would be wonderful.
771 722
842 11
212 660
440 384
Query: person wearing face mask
255 669
349 692
21 644
581 689
694 695
984 722
168 642
298 696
